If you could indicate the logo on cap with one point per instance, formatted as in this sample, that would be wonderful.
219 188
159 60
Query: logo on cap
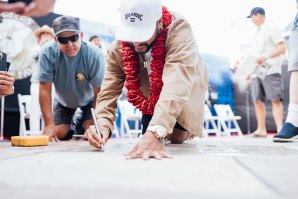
132 16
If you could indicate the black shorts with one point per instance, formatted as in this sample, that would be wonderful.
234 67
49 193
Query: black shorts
64 115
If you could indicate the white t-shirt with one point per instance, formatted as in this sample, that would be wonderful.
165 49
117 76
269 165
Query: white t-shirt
265 41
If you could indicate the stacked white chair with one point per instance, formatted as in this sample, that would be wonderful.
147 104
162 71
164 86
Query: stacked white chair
227 119
210 121
24 108
129 113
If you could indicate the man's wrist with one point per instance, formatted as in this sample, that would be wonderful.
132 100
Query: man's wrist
107 129
158 131
153 136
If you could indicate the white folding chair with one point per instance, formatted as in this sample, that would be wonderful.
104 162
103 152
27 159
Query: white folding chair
24 108
116 131
129 113
210 120
227 119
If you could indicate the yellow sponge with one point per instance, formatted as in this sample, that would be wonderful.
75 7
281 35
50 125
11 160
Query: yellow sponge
30 140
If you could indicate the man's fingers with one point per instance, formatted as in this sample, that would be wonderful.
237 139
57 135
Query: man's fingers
93 138
39 8
156 155
31 10
105 135
146 155
6 80
131 150
13 7
56 138
136 154
6 74
164 155
4 87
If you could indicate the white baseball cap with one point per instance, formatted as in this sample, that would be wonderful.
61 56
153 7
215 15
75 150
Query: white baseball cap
138 19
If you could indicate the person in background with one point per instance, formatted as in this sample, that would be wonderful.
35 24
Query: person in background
36 8
76 70
43 35
95 40
268 47
157 57
289 130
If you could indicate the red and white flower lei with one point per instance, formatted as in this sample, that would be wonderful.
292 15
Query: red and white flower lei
131 67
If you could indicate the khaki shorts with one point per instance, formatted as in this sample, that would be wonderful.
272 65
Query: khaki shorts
270 88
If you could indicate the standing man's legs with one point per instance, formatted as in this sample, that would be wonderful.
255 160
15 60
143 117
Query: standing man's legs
274 89
258 95
261 118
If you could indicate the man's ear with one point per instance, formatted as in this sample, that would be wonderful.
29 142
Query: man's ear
81 35
55 38
160 22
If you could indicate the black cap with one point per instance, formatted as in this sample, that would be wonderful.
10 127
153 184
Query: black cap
255 11
66 23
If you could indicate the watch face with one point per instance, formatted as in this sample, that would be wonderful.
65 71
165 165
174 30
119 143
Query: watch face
17 40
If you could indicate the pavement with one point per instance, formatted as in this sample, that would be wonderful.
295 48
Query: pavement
226 167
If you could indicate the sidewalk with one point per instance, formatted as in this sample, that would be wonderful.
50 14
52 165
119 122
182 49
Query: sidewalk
230 167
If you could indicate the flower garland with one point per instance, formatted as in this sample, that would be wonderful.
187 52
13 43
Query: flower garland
131 67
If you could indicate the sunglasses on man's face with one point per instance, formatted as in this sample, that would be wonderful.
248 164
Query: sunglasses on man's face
64 40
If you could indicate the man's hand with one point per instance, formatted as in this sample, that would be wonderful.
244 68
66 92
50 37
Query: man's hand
261 60
36 8
94 139
39 8
50 131
12 7
148 147
6 83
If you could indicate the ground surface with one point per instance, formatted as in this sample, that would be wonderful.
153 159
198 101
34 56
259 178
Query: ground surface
235 167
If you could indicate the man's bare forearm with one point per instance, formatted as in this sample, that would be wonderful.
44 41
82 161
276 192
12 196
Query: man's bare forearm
280 49
45 100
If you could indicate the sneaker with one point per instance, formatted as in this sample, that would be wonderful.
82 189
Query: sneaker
288 133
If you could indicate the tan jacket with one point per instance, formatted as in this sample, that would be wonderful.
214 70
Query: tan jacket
184 77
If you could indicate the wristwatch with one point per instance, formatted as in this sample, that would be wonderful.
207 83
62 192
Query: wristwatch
159 131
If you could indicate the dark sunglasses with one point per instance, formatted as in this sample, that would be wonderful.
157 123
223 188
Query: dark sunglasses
64 40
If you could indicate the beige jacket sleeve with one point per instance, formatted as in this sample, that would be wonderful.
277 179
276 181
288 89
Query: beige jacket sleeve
178 75
113 82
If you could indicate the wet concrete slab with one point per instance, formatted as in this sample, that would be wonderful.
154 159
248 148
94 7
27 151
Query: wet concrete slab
228 167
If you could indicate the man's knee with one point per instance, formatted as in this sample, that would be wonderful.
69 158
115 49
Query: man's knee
178 136
276 102
62 131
